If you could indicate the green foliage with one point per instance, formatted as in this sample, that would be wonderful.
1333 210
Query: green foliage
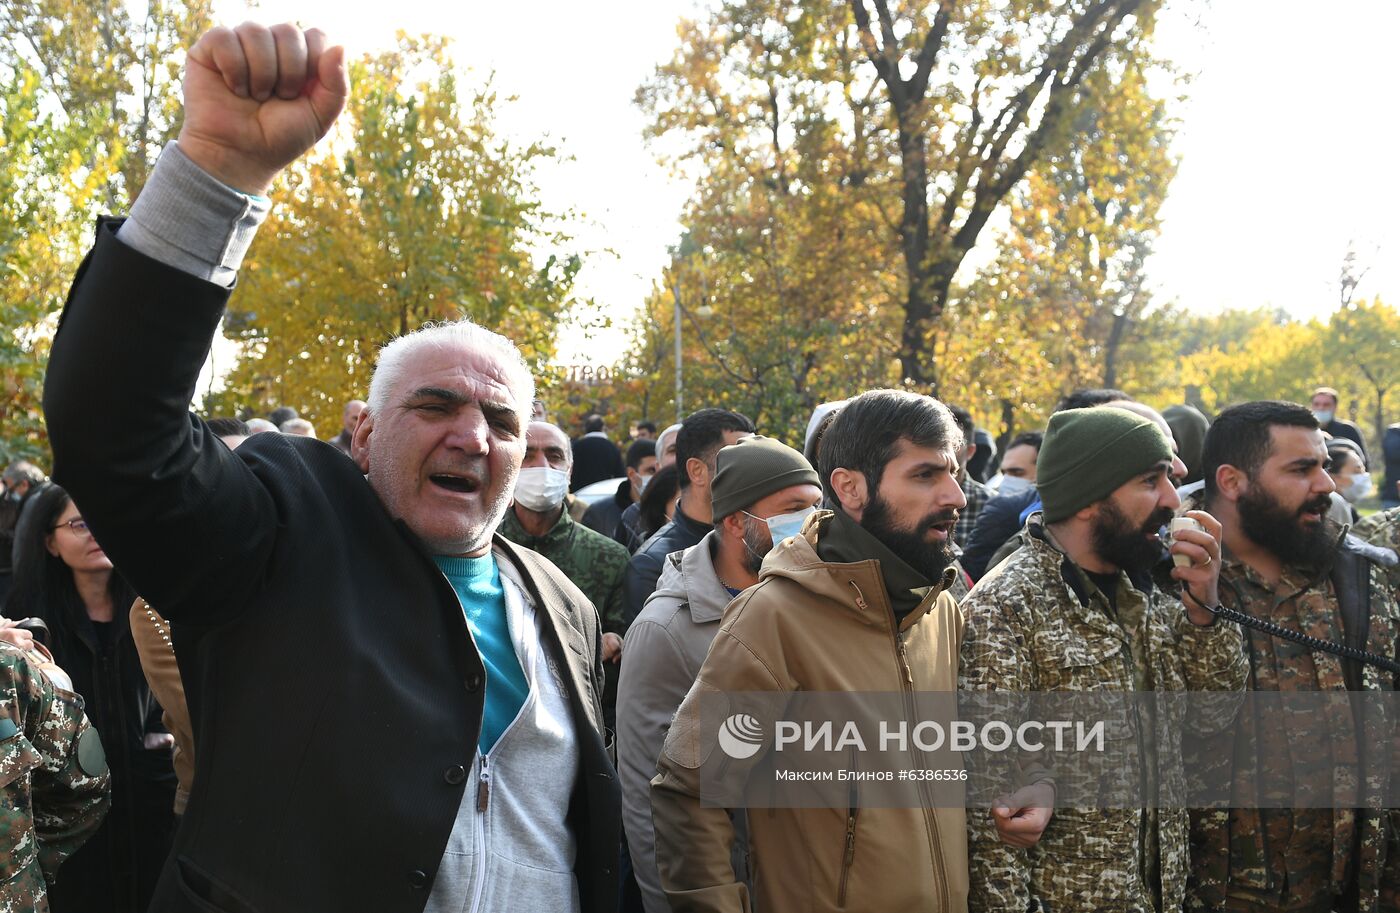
813 139
49 192
88 97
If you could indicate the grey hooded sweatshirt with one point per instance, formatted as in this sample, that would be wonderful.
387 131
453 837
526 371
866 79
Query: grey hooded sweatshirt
665 647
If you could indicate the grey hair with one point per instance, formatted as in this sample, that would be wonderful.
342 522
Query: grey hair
297 426
22 471
395 358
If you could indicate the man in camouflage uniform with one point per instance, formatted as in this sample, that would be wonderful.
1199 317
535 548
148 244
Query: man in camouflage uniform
1382 529
54 785
1077 610
1265 478
593 562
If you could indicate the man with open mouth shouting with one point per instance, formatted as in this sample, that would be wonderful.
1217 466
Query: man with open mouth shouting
1086 605
1286 563
394 708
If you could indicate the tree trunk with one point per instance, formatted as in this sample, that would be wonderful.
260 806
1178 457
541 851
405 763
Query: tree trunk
922 302
1380 416
1115 341
1008 424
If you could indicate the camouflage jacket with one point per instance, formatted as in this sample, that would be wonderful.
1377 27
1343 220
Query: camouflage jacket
54 785
1382 529
1277 856
593 562
1036 623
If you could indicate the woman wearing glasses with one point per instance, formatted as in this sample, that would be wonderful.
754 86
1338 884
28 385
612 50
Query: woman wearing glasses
62 576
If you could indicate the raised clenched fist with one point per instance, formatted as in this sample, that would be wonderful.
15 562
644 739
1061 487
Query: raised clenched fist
256 98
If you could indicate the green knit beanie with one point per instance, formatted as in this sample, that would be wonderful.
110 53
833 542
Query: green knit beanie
754 468
1088 453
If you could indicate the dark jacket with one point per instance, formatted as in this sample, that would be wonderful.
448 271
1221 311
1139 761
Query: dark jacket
595 460
998 521
117 869
1344 429
645 567
603 516
334 690
1390 449
629 528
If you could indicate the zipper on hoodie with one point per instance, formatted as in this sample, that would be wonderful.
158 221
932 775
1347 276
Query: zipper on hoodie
483 798
853 801
483 785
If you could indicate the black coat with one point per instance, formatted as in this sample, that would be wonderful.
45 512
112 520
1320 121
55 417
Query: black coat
334 688
603 515
645 567
997 521
596 459
117 869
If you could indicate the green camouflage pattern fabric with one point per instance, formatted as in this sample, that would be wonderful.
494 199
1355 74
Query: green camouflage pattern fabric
1028 631
54 785
593 562
1302 858
1382 529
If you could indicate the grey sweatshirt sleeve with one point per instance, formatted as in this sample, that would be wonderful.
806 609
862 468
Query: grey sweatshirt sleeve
652 683
187 219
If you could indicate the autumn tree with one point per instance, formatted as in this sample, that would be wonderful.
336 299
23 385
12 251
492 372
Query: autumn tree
941 109
1274 360
1067 293
88 95
114 67
50 187
422 211
1363 342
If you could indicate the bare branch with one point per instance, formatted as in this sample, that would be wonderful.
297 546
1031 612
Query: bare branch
882 9
928 54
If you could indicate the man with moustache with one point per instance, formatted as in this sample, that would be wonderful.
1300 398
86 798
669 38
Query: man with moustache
1078 609
857 602
1266 479
394 708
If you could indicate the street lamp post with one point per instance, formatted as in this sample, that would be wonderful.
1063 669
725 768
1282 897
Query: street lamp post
680 382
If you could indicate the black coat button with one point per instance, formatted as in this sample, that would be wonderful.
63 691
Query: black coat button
474 682
418 878
455 774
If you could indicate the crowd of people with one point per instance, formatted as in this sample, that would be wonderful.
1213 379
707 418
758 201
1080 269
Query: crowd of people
243 669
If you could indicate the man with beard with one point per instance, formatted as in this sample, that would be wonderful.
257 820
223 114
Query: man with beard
1266 479
856 602
762 492
1077 609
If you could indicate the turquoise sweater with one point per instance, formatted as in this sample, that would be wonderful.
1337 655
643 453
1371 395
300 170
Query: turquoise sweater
478 585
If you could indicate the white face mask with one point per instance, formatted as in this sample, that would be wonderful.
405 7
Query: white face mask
1360 487
1014 485
541 488
1323 416
642 485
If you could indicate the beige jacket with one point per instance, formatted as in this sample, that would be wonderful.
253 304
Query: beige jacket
813 626
151 634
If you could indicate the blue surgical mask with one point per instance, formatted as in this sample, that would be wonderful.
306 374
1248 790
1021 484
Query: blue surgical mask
784 525
1323 416
1014 485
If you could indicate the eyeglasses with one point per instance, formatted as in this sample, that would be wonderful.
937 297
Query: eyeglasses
78 525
